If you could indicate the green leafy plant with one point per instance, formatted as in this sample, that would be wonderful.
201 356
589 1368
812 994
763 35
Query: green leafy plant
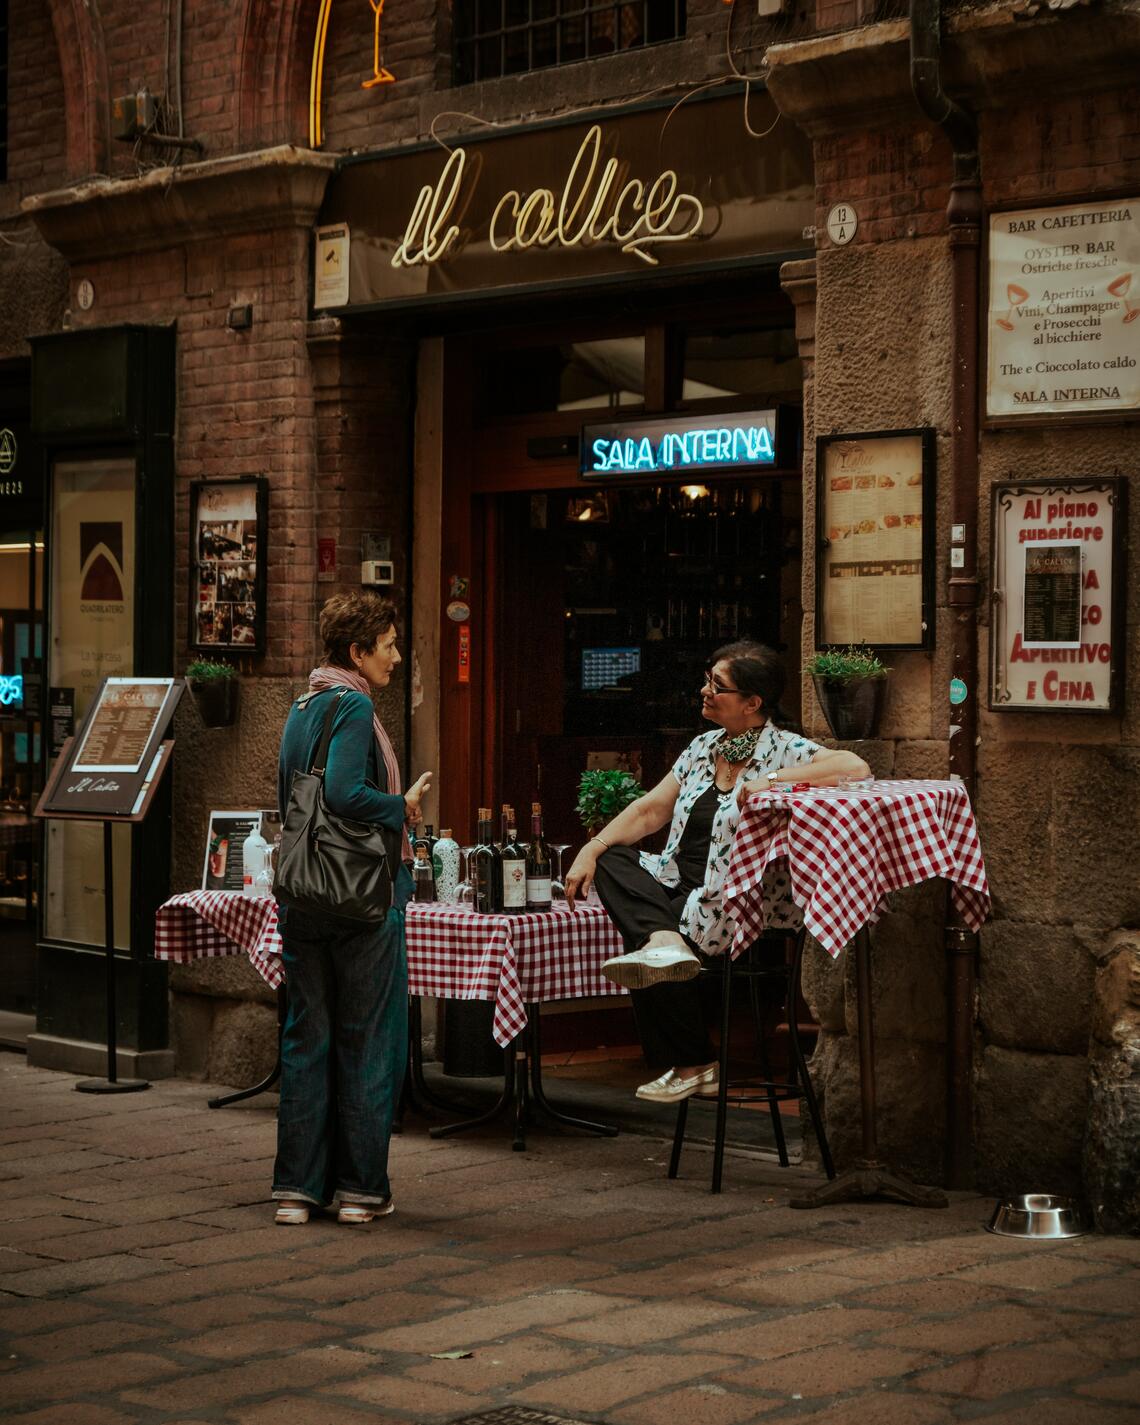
603 793
846 664
209 670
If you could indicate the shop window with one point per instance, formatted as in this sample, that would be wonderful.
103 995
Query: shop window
582 375
3 91
722 363
493 38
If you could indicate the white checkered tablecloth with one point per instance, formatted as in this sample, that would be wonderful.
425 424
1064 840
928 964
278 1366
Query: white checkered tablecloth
514 960
847 848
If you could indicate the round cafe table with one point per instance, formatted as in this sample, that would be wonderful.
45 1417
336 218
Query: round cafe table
846 849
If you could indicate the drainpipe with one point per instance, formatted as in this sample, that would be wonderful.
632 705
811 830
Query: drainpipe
964 216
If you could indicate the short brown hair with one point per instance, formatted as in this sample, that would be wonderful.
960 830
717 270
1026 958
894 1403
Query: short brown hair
359 618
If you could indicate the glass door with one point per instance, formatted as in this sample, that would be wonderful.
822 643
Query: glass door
21 711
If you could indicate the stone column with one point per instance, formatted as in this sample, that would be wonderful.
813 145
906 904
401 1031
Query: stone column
1112 1135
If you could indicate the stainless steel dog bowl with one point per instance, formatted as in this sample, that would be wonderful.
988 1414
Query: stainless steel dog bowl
1039 1215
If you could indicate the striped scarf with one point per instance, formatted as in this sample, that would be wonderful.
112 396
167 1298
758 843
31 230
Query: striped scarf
329 676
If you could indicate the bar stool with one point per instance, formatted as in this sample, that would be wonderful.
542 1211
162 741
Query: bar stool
781 979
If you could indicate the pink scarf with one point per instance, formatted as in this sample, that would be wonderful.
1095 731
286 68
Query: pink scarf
328 676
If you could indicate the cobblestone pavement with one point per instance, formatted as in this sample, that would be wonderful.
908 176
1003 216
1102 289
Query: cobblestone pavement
144 1282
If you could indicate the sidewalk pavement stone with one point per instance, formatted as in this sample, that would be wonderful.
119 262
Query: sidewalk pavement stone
146 1285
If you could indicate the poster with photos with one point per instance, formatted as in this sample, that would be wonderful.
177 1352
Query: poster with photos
227 565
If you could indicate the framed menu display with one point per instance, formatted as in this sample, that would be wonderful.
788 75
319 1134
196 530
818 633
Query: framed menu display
227 564
108 770
875 521
1057 632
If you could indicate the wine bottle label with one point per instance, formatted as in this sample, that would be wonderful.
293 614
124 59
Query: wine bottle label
538 891
514 885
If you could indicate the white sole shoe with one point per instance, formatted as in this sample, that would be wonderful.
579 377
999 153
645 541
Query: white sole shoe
291 1214
357 1213
670 1088
652 966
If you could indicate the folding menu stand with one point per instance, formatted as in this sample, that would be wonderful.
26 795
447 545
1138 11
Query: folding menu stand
109 772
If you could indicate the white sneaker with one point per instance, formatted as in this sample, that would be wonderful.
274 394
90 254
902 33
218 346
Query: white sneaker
671 1088
652 965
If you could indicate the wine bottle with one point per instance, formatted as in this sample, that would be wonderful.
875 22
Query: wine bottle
422 878
506 817
537 863
486 868
514 874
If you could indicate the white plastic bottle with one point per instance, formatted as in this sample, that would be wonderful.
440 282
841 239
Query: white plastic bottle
254 854
445 860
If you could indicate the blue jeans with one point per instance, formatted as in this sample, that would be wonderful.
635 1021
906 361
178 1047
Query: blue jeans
343 1055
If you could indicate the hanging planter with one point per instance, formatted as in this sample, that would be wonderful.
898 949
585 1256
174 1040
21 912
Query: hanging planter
215 690
851 685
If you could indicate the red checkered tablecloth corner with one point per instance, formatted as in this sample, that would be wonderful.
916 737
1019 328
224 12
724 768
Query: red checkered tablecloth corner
847 848
514 960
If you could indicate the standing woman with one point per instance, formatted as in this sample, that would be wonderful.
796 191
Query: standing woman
345 1041
669 907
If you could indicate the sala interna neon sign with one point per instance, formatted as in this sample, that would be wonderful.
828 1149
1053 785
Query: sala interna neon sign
744 438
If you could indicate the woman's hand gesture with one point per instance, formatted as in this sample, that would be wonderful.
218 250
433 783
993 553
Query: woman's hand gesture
415 795
580 877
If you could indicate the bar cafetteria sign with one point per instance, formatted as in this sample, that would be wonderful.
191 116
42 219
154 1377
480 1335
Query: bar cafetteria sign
1064 310
625 196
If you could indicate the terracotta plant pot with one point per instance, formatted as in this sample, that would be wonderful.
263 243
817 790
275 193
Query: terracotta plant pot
217 701
853 707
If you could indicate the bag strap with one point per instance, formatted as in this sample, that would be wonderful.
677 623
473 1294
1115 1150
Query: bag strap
322 756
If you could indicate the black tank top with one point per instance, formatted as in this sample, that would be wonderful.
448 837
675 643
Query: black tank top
693 849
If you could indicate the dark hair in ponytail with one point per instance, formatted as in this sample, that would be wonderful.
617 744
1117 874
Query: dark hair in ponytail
757 670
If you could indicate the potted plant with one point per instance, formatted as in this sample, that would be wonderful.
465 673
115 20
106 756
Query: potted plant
602 793
851 685
215 689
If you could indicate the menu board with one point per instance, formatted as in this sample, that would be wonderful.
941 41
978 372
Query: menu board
222 867
1057 632
227 564
875 506
110 768
1064 298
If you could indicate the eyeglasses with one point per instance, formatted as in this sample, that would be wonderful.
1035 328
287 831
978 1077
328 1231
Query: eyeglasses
718 688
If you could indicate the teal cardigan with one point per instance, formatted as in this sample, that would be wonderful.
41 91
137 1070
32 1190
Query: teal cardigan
356 779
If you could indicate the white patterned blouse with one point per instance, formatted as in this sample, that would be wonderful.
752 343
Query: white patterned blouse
703 918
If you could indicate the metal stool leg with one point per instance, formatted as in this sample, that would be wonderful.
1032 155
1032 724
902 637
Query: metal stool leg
678 1137
765 1063
274 1074
722 1086
801 1063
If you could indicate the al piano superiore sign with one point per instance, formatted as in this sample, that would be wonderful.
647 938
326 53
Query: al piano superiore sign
1063 324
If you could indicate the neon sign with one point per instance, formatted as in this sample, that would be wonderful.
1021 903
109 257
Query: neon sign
671 446
11 689
380 75
591 208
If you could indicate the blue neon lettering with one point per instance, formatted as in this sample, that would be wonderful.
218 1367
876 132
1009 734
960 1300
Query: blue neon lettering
723 446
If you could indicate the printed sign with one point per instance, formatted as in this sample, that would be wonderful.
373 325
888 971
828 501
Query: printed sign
227 564
330 267
1056 572
228 832
1064 299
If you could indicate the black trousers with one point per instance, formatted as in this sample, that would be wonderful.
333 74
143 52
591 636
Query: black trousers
670 1016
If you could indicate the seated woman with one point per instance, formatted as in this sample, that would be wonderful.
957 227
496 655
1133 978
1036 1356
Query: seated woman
670 906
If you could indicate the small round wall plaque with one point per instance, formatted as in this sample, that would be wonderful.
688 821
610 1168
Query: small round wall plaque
958 691
85 295
842 224
458 611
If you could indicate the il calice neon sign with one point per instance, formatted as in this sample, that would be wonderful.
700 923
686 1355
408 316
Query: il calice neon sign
741 440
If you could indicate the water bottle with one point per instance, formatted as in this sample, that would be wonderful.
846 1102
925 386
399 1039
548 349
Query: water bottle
445 859
254 853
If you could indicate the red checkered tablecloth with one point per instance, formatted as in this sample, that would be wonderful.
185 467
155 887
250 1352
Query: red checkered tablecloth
514 960
847 848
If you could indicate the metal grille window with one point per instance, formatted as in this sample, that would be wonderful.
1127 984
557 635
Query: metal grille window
3 91
497 37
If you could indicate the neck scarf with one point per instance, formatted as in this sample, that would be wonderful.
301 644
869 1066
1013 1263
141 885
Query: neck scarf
740 747
328 676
